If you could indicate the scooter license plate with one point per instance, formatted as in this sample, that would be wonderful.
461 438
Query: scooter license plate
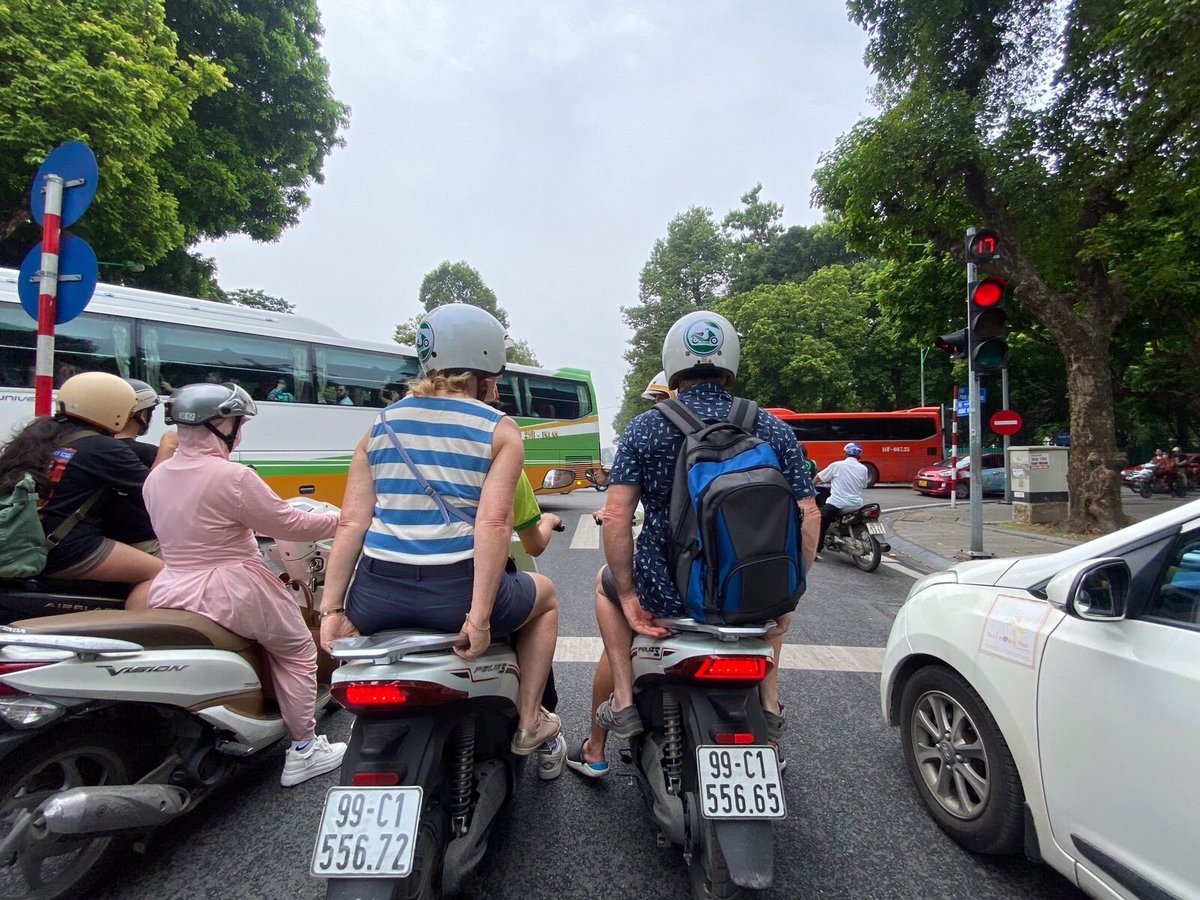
367 831
875 528
740 782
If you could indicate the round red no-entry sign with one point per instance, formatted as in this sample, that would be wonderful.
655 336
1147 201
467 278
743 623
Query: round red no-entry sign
1006 422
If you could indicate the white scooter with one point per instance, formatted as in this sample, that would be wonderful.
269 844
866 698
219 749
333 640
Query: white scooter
112 723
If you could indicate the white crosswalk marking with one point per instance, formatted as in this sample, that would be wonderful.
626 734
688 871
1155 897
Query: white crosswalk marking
587 534
811 657
903 570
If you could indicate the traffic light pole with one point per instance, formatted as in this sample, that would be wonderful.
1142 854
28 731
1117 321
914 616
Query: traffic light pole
975 436
1008 497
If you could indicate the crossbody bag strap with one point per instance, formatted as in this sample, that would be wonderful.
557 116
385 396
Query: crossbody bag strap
56 537
448 510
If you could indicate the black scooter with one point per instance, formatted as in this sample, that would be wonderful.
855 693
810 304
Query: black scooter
856 532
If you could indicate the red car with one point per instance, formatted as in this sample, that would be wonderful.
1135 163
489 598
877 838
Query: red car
935 480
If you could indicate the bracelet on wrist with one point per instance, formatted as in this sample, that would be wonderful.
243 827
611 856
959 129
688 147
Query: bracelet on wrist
336 611
470 624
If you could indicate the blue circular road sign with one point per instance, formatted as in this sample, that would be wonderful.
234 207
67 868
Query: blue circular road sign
77 273
73 161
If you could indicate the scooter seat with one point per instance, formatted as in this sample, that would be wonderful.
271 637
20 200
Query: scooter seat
74 589
161 629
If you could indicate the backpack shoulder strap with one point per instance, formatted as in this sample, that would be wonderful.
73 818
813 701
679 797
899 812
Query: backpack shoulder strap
56 537
743 413
447 509
677 413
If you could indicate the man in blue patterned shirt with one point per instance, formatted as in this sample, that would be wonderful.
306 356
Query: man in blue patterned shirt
635 589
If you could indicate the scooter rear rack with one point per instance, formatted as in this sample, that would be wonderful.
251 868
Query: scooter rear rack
392 646
727 633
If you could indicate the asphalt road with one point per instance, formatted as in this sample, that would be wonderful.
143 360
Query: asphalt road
855 828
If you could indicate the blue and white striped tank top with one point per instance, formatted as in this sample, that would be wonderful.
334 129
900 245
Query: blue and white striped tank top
450 441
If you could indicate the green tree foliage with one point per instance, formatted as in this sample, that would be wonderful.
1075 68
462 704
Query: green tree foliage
799 340
106 72
257 299
687 270
243 161
460 283
1074 145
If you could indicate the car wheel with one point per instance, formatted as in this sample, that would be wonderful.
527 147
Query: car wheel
960 763
962 490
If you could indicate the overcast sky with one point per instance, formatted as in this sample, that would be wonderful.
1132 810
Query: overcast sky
548 144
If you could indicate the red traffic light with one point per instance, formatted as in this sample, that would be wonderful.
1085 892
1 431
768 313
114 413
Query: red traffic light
989 292
983 246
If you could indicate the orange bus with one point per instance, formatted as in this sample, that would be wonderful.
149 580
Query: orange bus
895 444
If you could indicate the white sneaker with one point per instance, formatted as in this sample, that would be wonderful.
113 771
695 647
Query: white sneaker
552 758
321 757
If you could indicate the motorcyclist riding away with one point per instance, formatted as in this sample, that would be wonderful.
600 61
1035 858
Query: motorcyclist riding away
847 479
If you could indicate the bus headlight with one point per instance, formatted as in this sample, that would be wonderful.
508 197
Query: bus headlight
558 478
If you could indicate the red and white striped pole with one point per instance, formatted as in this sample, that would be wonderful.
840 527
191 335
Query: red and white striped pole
48 293
954 449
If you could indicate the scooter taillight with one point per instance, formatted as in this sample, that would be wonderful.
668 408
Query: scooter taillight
371 696
722 668
734 737
12 669
871 512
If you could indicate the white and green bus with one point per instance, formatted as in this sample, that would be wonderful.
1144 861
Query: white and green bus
317 391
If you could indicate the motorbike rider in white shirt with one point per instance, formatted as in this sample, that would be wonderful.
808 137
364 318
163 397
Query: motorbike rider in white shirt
847 479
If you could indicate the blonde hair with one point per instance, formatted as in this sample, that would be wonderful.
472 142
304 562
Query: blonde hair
439 383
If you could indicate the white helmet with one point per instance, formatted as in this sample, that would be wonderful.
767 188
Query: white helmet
698 345
657 385
459 337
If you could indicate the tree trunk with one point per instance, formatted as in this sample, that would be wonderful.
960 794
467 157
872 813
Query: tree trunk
1094 470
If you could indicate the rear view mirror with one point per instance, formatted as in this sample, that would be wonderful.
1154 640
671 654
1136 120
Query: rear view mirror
1097 590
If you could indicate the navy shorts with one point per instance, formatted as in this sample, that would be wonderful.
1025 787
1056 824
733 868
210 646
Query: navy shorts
386 595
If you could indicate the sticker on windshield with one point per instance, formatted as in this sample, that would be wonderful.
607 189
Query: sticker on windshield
1011 629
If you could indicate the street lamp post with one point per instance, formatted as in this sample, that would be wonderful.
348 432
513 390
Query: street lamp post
923 353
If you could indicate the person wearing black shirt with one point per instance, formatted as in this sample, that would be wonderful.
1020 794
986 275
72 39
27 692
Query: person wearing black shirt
75 457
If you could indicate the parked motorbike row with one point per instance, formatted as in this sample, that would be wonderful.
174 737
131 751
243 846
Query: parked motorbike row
113 723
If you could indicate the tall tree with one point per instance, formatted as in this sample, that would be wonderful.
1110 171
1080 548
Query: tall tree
106 72
256 299
1073 177
751 231
461 283
687 270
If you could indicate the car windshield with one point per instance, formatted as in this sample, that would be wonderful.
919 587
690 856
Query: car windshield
963 462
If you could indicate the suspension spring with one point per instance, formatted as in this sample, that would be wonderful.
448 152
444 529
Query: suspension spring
462 776
672 747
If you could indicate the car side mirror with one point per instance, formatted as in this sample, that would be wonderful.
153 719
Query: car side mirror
1096 590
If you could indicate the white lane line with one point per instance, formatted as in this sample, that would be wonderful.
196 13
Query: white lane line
903 570
810 657
587 534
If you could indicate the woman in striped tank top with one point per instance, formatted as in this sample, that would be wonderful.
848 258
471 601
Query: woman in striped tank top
429 506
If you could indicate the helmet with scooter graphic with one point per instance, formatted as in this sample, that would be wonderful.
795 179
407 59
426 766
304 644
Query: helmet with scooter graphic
461 338
700 345
852 449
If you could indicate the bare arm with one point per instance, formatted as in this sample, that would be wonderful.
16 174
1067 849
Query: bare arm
618 553
494 518
810 531
358 506
166 448
536 538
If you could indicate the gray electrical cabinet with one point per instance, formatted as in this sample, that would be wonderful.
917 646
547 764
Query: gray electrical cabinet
1039 484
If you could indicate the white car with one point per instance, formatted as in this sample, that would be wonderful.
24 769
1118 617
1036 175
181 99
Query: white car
1051 705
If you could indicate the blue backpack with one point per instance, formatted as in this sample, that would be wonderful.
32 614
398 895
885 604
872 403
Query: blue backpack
734 544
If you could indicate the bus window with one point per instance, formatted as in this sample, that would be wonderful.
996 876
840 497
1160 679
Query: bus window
88 343
508 395
177 355
555 398
365 378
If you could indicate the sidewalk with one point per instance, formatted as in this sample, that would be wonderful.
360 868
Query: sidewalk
937 536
